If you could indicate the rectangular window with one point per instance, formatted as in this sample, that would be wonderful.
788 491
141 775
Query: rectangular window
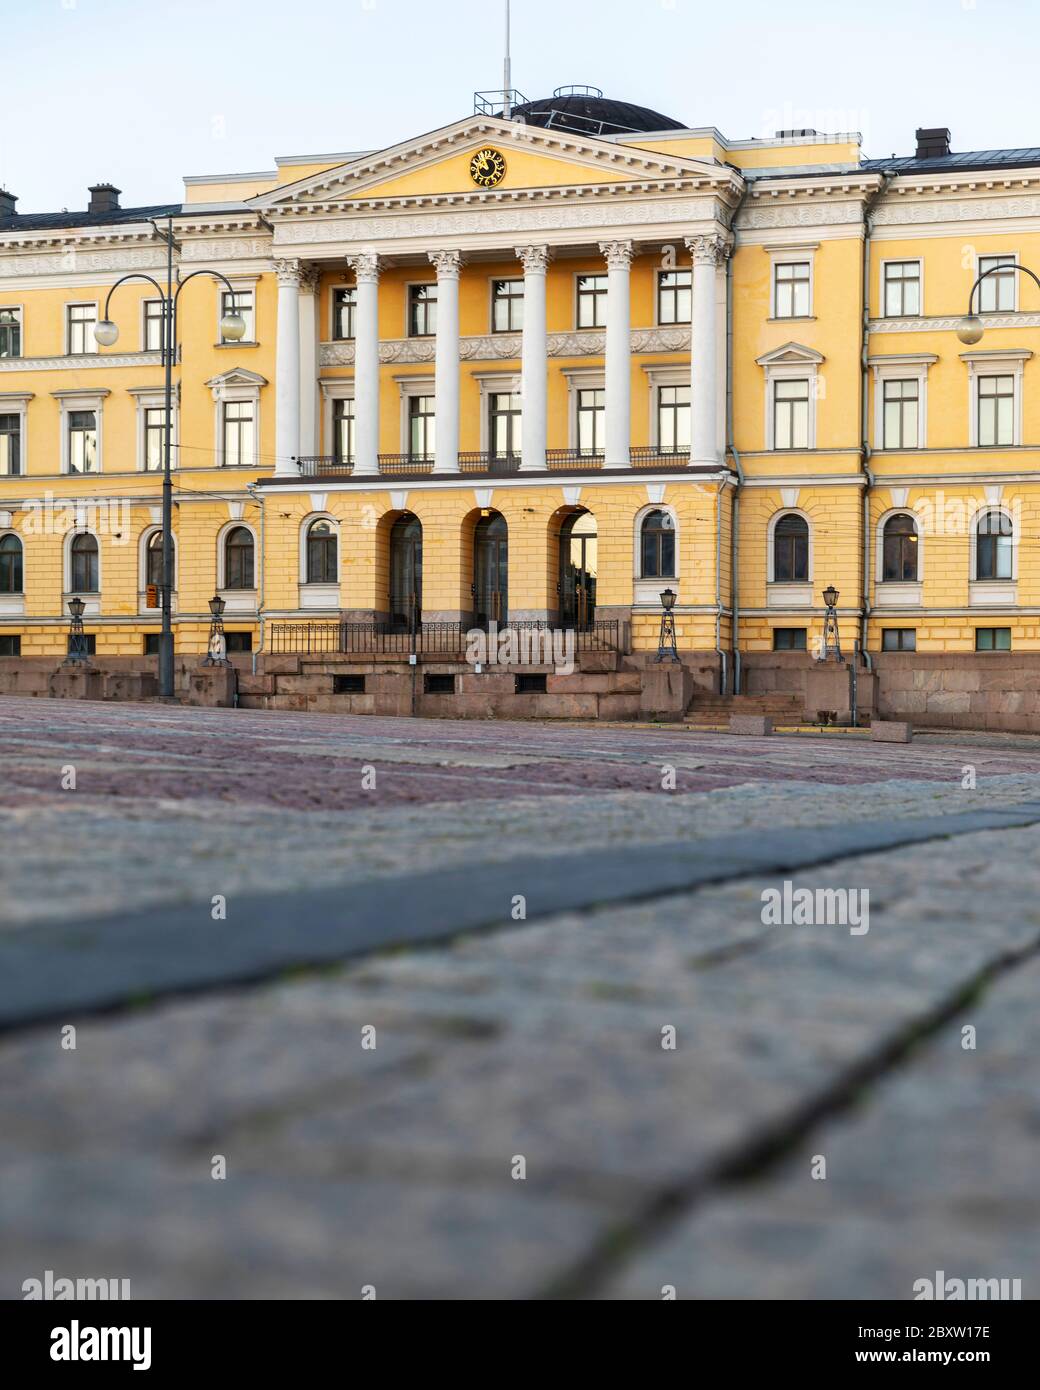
789 639
344 308
80 321
992 639
10 446
343 430
11 645
83 436
996 420
507 306
422 427
153 325
791 290
154 438
902 289
422 311
674 296
673 419
239 433
592 301
238 641
592 420
997 291
438 684
790 415
899 414
504 424
10 332
899 639
239 302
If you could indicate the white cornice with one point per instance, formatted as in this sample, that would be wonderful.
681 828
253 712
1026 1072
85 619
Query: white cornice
79 361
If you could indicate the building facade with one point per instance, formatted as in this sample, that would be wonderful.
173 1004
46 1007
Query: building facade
537 370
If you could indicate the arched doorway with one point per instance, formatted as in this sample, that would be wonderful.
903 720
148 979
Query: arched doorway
406 573
491 570
577 583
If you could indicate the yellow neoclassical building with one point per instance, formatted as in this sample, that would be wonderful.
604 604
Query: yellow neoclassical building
537 370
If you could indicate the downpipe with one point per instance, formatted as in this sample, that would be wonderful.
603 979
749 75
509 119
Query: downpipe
864 416
734 539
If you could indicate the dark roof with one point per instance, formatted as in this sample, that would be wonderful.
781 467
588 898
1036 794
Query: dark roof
41 221
955 163
586 114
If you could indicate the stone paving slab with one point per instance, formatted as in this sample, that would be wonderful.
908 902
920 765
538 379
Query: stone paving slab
398 1161
933 1169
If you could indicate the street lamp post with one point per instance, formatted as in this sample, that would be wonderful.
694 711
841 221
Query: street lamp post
971 328
233 327
831 640
77 637
666 644
216 654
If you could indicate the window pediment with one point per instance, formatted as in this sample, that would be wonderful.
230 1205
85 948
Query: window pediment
791 355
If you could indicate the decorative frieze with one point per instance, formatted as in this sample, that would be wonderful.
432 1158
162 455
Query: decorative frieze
493 347
948 323
78 361
73 260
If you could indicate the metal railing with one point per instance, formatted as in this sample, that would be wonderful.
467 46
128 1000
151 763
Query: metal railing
440 638
492 464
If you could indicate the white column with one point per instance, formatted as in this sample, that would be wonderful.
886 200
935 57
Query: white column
534 360
618 440
287 370
366 364
448 264
310 283
708 252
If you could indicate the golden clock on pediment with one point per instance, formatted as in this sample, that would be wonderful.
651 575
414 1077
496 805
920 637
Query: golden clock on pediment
487 168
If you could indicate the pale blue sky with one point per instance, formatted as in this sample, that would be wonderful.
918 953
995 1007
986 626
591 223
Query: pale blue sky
141 92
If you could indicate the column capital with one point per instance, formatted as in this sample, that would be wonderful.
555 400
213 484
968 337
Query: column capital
535 258
448 263
708 249
310 279
288 272
618 254
365 265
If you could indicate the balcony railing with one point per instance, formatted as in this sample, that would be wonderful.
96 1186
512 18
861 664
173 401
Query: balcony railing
436 639
493 465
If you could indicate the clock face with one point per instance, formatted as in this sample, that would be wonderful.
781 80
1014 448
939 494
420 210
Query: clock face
487 168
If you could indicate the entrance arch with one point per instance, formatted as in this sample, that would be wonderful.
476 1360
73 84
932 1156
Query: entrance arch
406 573
491 570
577 574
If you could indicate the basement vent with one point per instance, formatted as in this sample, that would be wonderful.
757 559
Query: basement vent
348 685
439 685
530 684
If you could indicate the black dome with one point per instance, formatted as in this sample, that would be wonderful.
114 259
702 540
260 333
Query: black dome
586 111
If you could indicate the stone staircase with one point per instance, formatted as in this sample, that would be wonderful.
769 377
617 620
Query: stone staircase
705 709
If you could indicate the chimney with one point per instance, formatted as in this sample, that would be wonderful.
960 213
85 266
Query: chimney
933 143
104 197
7 204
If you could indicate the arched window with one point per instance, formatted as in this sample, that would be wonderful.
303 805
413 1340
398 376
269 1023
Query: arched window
994 541
791 549
10 565
657 546
153 570
238 558
491 570
900 550
322 558
83 554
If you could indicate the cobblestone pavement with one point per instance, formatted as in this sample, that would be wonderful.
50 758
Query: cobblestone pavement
540 1047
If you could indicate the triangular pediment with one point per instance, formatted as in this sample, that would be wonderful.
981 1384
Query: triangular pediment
438 165
237 376
791 354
